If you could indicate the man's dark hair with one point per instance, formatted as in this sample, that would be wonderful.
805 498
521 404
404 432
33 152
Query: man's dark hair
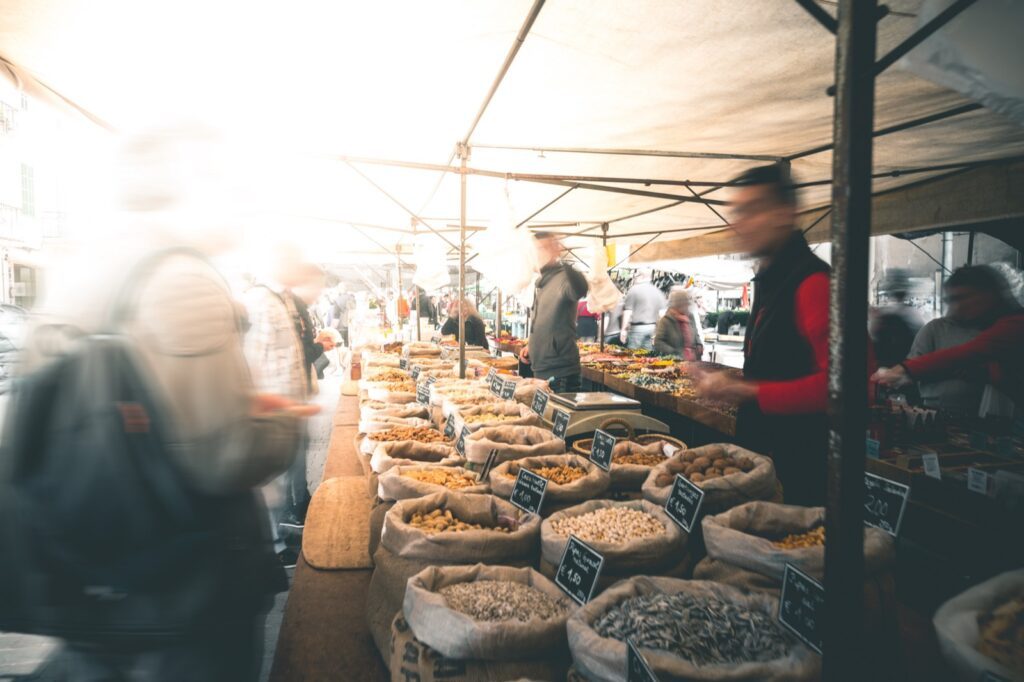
542 235
775 176
983 278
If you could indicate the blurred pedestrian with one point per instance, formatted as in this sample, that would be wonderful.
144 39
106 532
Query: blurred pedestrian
894 326
476 334
643 307
587 327
678 332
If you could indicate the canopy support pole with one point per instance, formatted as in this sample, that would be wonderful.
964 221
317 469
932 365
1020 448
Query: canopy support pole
416 289
604 245
398 297
497 321
631 152
842 639
463 152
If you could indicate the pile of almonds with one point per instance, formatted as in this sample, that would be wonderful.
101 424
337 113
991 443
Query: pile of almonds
561 475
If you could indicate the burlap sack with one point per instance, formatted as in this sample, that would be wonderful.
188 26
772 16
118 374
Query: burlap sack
631 477
377 514
742 538
523 415
393 485
721 493
557 497
444 389
410 453
383 423
373 409
652 555
456 635
452 405
386 395
512 442
956 625
413 661
526 388
468 546
602 659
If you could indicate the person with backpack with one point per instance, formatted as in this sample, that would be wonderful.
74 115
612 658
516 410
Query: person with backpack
132 447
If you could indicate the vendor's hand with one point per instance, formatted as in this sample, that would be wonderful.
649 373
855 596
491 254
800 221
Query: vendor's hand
524 355
893 377
724 387
265 404
623 335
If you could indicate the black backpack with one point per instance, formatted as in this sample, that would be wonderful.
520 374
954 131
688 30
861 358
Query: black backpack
100 536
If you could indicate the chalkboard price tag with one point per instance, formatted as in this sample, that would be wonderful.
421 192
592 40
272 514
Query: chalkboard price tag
508 389
431 381
496 384
930 461
978 440
872 446
449 427
460 444
423 394
492 457
528 492
540 402
578 570
403 363
884 503
977 481
601 449
683 503
802 606
416 372
491 373
637 669
559 423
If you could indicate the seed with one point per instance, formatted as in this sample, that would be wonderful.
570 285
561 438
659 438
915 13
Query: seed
496 600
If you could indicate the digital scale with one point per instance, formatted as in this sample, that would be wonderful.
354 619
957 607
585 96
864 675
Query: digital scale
588 411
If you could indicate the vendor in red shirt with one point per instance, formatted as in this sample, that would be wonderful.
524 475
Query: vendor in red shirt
980 296
782 394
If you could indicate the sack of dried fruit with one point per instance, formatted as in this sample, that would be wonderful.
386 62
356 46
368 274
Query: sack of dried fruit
409 481
749 545
512 442
373 409
632 462
411 453
420 434
503 413
982 629
728 474
634 537
571 479
411 659
491 613
687 630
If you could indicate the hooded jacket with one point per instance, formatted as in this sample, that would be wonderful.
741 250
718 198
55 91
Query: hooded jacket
553 350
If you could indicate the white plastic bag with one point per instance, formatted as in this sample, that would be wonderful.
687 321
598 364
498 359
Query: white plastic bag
431 260
603 295
506 255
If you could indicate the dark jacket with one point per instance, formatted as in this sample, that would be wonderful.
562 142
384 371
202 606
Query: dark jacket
476 335
668 337
553 350
775 350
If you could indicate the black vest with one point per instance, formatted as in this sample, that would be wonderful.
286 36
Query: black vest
774 350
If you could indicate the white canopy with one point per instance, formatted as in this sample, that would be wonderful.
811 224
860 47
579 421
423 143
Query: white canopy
306 83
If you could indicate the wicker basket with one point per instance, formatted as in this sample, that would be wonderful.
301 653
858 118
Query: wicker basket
583 445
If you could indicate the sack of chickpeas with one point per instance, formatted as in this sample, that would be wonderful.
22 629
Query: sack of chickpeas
407 453
409 481
749 546
571 479
634 537
512 442
728 474
504 413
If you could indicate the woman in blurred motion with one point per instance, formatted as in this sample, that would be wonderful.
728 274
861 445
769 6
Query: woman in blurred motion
475 333
677 332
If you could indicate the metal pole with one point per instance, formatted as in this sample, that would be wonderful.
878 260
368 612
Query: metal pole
847 377
418 318
398 298
497 321
970 247
604 245
463 152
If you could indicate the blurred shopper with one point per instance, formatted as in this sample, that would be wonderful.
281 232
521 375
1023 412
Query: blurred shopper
552 352
587 323
476 335
613 324
129 457
782 394
678 332
315 342
342 304
644 305
980 297
427 309
277 359
894 326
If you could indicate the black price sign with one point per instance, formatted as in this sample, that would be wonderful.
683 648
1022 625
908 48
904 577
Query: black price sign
540 402
528 492
637 669
559 423
683 503
884 502
416 373
490 374
601 449
449 427
403 363
578 570
431 380
460 444
508 389
492 457
496 384
802 606
423 394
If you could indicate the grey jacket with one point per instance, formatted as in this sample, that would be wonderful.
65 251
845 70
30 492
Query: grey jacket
668 338
553 351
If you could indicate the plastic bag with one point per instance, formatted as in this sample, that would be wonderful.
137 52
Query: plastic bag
603 295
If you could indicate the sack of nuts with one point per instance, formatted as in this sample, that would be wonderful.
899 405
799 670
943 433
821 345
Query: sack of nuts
383 423
418 434
504 413
405 482
373 409
632 462
728 474
512 442
411 453
571 479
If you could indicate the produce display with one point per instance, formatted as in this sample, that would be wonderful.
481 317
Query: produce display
704 464
562 475
406 386
489 417
609 524
1001 634
443 521
419 434
812 538
449 478
501 600
705 631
